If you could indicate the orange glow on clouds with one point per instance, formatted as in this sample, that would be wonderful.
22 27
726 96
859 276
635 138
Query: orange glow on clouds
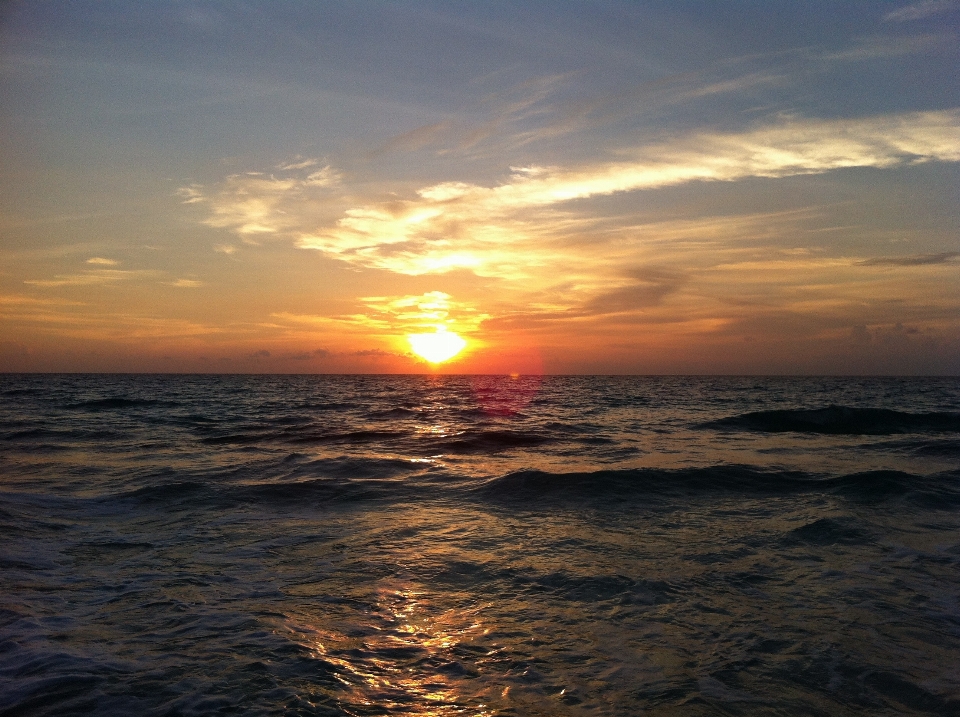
722 218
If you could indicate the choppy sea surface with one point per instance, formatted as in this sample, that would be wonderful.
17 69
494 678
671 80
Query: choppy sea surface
443 545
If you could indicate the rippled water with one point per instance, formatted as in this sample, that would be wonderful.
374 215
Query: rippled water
323 545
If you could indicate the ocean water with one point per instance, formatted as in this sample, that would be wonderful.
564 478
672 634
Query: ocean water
443 545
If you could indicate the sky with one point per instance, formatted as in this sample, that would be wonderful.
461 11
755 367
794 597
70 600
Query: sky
755 187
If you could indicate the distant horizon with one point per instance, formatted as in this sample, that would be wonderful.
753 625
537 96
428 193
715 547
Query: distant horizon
503 375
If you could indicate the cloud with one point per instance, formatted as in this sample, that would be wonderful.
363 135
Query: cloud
8 301
919 10
90 278
397 315
249 203
102 262
83 321
308 355
648 287
186 283
414 139
373 353
547 255
502 230
298 162
191 194
254 203
916 260
432 310
541 109
326 177
870 48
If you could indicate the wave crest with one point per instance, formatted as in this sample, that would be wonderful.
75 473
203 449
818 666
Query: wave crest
841 420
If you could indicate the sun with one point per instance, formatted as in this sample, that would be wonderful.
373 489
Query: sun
436 347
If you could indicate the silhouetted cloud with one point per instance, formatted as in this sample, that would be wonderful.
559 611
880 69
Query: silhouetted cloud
647 288
307 355
916 260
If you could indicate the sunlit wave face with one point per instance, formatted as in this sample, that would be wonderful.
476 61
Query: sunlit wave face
436 347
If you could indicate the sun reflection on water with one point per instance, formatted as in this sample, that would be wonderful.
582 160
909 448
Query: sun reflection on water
404 660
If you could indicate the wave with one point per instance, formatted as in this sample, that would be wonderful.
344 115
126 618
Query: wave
530 486
117 403
323 481
829 531
23 392
841 420
490 441
622 482
945 448
467 442
350 437
303 493
31 435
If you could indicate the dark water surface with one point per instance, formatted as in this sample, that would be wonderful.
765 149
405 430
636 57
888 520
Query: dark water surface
324 545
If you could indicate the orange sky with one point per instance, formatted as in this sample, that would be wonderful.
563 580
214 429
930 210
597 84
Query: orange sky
593 188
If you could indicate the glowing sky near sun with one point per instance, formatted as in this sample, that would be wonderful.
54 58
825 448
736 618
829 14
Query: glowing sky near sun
592 187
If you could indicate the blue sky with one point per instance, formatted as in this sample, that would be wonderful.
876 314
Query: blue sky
620 187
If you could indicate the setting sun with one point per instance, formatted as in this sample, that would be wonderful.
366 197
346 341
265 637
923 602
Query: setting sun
437 347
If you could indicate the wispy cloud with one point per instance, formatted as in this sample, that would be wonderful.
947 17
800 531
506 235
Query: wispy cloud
83 321
398 315
542 109
90 278
10 301
915 260
415 139
255 203
99 260
880 46
298 162
432 310
500 230
919 10
191 194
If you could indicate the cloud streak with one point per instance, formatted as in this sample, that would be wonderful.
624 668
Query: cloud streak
433 310
919 10
91 278
917 260
458 225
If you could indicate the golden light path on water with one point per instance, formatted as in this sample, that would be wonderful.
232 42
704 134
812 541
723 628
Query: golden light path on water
400 662
437 347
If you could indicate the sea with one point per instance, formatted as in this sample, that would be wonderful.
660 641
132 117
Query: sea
479 545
